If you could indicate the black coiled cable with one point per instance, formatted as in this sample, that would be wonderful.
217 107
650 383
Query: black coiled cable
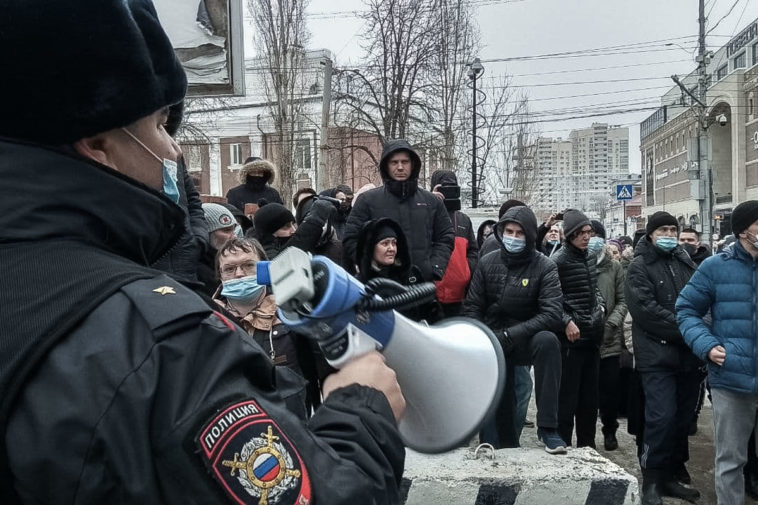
395 295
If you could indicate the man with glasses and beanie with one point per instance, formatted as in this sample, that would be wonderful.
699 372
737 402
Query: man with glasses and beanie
726 285
583 321
117 383
668 369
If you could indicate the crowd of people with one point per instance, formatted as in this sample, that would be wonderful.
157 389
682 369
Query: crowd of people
142 338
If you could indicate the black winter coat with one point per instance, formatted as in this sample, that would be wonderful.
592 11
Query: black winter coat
520 293
115 412
521 298
582 301
246 193
421 215
653 282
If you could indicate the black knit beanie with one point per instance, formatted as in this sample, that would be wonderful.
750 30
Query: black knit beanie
744 215
507 205
270 217
574 220
658 219
383 232
75 69
598 228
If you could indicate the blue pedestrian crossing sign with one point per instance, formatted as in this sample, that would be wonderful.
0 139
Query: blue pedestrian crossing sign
624 192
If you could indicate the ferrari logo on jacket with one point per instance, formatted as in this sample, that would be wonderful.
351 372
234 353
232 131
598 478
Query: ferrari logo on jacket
252 459
525 282
164 290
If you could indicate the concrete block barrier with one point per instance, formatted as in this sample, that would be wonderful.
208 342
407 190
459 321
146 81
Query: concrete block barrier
524 476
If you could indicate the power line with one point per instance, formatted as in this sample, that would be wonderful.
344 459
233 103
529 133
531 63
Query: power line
740 19
576 83
724 16
593 69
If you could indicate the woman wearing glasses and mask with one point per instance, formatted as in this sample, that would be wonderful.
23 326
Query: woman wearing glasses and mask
254 309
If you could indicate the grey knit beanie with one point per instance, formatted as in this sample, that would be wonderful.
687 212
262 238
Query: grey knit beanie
218 216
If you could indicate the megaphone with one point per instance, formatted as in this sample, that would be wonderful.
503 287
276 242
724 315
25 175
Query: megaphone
451 374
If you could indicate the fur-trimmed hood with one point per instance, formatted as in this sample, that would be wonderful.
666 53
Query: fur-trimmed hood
259 165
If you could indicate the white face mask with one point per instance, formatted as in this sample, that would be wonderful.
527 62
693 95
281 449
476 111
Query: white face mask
755 239
170 171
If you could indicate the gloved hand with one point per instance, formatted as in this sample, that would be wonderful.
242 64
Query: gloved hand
437 273
322 209
507 343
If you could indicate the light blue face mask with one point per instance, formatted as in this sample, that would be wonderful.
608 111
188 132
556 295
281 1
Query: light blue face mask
170 171
514 245
243 289
595 245
553 243
666 243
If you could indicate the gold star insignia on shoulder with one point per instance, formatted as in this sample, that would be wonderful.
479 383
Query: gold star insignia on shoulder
164 290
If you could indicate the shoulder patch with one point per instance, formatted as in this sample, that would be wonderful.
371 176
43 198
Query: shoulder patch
252 458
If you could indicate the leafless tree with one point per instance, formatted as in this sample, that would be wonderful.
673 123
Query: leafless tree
391 89
497 113
280 36
456 40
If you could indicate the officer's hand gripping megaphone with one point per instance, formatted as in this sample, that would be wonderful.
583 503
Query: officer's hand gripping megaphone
451 374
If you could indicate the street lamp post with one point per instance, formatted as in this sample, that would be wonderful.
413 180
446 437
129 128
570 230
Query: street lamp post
475 69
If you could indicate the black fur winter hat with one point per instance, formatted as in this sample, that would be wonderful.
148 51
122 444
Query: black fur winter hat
78 68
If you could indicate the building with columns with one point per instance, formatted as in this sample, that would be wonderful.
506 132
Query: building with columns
669 139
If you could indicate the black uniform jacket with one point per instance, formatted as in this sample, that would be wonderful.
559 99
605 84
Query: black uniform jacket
152 397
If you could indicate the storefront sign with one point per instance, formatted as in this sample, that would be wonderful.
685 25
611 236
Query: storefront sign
742 39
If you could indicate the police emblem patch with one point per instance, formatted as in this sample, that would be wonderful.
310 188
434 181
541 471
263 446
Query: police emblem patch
252 459
525 282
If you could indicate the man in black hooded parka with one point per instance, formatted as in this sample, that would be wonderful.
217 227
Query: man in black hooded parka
516 292
421 215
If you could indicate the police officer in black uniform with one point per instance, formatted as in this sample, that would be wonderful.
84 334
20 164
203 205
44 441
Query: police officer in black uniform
118 384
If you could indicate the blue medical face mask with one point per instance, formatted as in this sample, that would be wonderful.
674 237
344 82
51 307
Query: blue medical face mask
170 171
666 243
553 243
514 245
595 245
243 289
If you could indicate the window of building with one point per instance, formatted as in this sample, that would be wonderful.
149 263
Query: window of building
755 53
303 154
740 60
235 154
721 72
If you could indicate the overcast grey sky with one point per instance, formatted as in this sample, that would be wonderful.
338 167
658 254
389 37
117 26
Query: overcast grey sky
513 29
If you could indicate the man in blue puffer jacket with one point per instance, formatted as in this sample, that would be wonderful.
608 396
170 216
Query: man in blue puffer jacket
727 285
